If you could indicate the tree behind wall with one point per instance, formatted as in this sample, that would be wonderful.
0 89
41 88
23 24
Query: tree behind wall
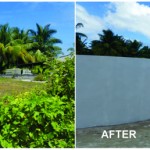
81 45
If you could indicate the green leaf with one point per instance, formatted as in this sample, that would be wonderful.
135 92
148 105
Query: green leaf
21 114
16 122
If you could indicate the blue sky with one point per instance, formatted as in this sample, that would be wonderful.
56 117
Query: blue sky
25 15
129 19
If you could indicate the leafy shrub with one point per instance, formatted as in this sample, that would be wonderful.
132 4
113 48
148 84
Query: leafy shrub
61 78
41 118
39 77
35 119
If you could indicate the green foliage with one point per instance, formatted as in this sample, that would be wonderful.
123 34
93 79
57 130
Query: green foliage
35 120
44 37
110 44
39 77
22 47
43 118
81 47
60 76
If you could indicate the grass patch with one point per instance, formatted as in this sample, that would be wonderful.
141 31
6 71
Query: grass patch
14 87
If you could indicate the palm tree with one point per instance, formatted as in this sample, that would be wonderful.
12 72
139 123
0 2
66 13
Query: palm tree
16 33
16 53
2 57
79 34
79 25
4 34
12 49
81 39
44 37
19 47
109 44
133 47
144 52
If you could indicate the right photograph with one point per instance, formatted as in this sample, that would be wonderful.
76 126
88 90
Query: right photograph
112 74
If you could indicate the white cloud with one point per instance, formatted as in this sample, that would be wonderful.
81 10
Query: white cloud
92 24
127 16
130 16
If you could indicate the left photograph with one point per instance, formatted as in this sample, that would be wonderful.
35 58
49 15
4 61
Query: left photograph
37 75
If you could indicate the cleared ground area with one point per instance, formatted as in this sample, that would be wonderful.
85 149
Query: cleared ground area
91 137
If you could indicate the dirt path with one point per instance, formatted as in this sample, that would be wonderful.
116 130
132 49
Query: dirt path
91 137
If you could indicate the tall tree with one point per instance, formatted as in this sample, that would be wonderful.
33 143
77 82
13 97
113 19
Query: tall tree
15 54
14 47
5 34
81 47
114 45
144 52
107 44
16 33
44 37
133 47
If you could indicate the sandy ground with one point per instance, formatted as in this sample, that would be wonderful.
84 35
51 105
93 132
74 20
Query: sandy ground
91 137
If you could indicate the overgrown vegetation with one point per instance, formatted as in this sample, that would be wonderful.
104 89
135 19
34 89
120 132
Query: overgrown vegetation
41 116
110 44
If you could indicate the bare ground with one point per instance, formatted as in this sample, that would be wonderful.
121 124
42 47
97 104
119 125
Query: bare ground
91 137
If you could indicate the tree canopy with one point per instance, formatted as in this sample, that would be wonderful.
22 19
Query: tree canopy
18 46
110 44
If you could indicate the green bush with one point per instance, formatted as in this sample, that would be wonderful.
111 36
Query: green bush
39 77
42 118
61 78
36 120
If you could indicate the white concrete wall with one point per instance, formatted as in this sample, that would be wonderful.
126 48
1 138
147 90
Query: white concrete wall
111 90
